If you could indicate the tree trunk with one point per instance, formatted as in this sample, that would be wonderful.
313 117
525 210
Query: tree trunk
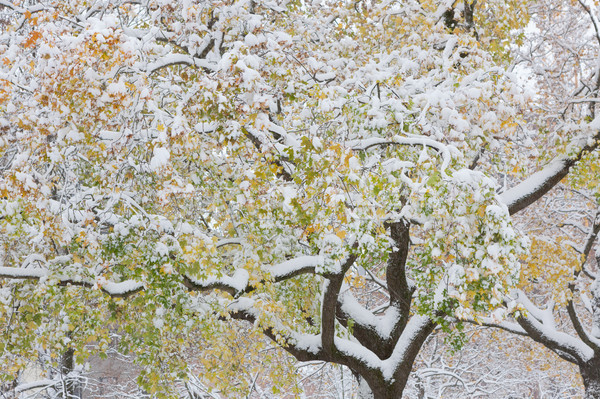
378 388
364 391
590 372
70 385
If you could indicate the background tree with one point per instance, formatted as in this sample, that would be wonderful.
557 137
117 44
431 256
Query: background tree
558 278
170 166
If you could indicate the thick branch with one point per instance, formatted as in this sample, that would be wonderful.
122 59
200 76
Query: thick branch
579 328
564 345
373 332
400 292
328 309
306 347
538 184
413 337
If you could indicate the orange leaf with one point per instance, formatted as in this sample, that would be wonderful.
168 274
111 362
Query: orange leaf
32 39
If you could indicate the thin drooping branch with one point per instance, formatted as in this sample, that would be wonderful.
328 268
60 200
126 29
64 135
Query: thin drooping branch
593 19
408 140
282 171
292 347
21 10
179 59
579 328
503 325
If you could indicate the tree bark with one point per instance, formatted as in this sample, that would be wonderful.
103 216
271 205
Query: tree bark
70 385
590 372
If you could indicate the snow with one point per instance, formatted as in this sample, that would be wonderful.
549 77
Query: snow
160 158
357 351
239 280
414 326
251 40
110 136
161 249
308 342
36 384
414 140
228 241
292 266
16 272
288 193
383 325
110 288
175 59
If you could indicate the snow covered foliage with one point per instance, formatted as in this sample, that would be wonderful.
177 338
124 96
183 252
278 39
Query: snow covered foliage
168 166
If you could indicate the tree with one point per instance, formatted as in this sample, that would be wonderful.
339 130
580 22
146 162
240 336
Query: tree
169 167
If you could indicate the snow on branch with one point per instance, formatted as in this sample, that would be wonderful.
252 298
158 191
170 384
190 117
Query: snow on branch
535 186
442 149
539 325
531 189
416 331
381 325
329 304
238 284
304 347
21 10
588 338
234 285
179 59
121 289
45 383
295 267
503 325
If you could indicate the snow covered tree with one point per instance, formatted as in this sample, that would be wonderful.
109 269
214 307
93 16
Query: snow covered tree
172 167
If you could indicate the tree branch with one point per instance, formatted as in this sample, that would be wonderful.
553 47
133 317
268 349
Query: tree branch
538 184
564 345
400 292
238 284
123 289
328 308
579 328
